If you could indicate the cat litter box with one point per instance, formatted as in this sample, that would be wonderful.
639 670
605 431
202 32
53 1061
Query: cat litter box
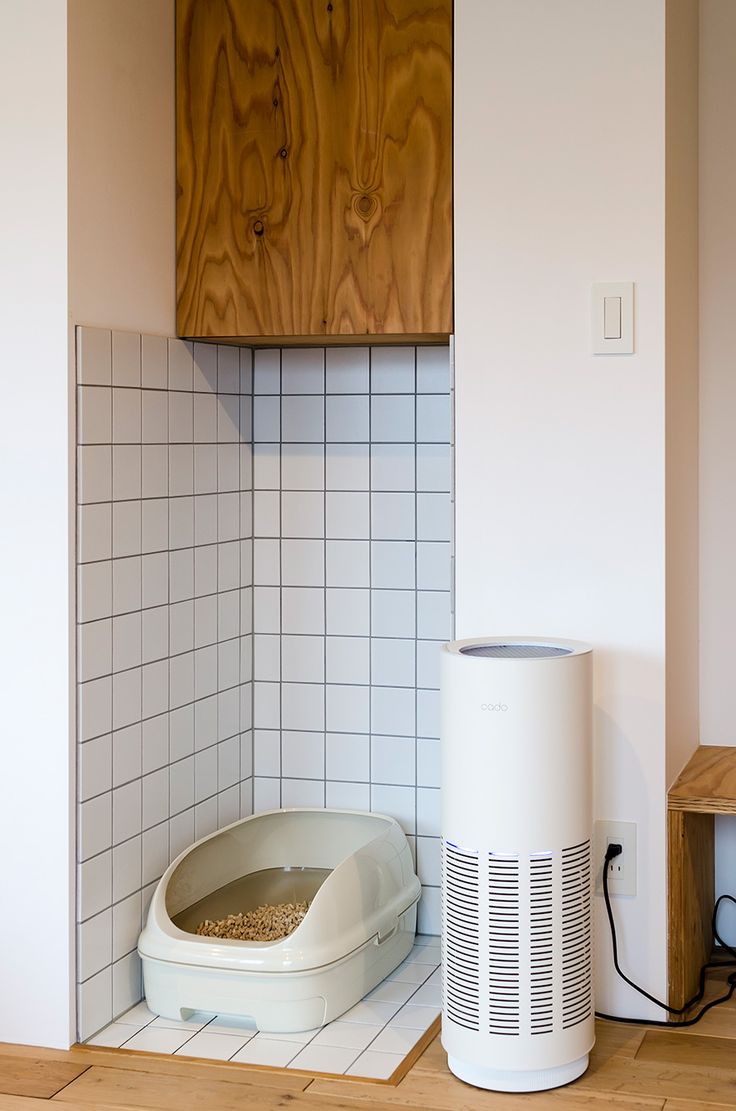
354 870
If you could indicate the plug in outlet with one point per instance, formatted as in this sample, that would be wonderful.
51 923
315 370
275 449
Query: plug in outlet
622 869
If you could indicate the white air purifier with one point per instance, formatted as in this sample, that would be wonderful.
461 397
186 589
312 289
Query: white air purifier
516 724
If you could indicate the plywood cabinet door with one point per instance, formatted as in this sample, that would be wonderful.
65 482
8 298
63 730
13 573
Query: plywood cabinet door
314 168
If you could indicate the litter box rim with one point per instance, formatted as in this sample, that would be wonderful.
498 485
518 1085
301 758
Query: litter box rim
163 941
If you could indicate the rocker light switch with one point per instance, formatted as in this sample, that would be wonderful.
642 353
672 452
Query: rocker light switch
612 318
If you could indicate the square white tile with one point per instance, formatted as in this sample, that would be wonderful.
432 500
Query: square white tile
267 370
434 467
347 369
393 613
348 418
267 418
347 1035
302 706
269 1051
303 610
348 709
393 467
94 356
302 466
303 370
347 612
347 466
348 660
393 662
347 516
347 757
302 658
392 418
302 514
154 367
348 563
302 419
158 1039
323 1058
433 370
392 370
434 418
393 711
213 1046
375 1066
393 516
302 562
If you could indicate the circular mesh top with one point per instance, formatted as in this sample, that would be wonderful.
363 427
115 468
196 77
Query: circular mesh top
514 651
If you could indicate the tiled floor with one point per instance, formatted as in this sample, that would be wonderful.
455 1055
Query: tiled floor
370 1040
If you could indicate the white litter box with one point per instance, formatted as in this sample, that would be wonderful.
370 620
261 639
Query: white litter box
356 871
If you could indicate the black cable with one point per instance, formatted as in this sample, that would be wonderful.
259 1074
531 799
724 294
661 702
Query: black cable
612 852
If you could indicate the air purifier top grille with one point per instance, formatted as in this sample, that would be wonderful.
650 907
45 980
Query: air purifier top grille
514 651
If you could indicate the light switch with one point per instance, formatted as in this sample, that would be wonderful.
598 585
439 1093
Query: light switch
612 318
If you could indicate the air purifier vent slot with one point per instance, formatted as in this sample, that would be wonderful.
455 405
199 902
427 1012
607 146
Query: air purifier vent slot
503 944
541 944
461 979
514 651
576 935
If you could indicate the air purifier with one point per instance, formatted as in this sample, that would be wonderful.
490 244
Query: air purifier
516 723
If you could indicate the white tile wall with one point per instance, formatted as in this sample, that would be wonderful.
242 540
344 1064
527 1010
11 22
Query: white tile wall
352 527
164 652
301 495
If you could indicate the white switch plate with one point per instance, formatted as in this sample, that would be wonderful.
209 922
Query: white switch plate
601 345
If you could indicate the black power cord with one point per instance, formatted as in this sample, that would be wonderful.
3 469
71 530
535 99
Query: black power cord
612 852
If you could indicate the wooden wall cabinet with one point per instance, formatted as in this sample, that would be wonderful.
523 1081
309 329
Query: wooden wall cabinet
314 170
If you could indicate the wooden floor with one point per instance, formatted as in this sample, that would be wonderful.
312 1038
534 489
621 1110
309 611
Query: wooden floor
632 1069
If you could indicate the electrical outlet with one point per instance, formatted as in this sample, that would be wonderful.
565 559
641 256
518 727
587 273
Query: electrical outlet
622 869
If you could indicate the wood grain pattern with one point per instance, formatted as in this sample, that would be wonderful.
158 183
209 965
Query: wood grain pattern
447 1093
702 1052
691 886
35 1076
314 168
707 783
137 1060
106 1087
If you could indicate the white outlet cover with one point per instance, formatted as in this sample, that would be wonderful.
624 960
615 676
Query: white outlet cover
625 834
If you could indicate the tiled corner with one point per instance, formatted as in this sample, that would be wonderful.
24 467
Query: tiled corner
282 516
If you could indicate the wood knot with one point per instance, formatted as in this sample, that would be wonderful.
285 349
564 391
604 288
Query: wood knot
258 227
365 206
329 7
283 152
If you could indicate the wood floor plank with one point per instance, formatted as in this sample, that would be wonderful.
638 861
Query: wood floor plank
110 1088
30 1103
684 1047
447 1093
135 1061
35 1076
659 1079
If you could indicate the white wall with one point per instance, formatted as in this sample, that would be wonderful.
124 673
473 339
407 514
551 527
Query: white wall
121 164
560 182
718 402
36 503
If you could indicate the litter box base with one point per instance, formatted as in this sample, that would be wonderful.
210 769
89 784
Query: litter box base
283 1002
359 925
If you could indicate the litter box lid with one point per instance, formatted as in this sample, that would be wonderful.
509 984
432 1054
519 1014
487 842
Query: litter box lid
370 884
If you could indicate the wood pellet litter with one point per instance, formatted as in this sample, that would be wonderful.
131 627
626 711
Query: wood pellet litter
265 923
